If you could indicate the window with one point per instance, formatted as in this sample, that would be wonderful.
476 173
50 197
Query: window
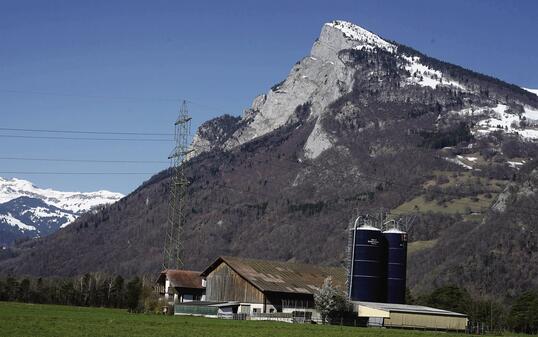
271 310
245 309
254 310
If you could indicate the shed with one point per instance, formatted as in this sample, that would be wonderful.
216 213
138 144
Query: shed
410 316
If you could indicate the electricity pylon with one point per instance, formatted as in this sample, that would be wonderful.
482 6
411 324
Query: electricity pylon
173 247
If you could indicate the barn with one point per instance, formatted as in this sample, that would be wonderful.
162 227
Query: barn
263 287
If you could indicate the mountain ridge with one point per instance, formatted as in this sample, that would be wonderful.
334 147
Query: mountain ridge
267 114
27 211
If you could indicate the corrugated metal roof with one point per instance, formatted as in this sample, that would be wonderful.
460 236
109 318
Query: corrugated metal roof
182 278
279 276
416 309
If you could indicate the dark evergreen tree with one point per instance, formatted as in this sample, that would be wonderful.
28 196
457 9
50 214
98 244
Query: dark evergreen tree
134 290
117 292
523 316
450 298
24 291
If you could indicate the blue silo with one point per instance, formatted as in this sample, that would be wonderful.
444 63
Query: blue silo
397 263
369 265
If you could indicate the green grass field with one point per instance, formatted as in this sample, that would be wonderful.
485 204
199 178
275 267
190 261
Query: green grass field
17 319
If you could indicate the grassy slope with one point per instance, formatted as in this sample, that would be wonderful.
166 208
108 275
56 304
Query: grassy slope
17 319
457 205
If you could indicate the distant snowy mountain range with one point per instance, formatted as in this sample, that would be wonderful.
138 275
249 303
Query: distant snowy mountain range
30 211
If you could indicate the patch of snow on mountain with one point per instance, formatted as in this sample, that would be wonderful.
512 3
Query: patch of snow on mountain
457 161
317 142
534 91
40 213
531 114
474 111
67 223
77 202
367 39
501 120
426 76
10 220
516 164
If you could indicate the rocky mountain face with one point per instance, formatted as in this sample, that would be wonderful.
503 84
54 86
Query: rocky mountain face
27 211
360 124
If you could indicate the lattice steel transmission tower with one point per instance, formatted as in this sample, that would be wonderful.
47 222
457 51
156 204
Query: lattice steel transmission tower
173 247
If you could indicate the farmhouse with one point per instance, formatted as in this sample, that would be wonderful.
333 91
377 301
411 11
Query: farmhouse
259 286
178 286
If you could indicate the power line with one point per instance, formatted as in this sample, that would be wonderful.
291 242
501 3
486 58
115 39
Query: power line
522 209
89 132
49 93
113 97
89 138
86 160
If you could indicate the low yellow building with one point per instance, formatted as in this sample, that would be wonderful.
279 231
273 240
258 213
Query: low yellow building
410 316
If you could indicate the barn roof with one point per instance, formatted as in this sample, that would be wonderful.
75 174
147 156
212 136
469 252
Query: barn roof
182 278
279 276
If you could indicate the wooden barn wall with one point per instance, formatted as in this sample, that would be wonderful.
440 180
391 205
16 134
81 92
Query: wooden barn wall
224 284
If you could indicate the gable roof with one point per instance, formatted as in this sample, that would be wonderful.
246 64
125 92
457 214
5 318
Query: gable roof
283 277
182 278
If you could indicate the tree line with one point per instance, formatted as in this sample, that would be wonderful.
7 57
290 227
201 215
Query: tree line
521 316
90 290
138 295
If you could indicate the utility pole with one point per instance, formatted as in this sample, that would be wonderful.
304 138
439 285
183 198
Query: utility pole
173 247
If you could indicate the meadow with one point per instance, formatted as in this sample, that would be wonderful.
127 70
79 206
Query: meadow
18 319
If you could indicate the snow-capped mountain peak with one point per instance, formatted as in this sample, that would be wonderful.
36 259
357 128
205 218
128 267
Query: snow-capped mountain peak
367 40
29 211
341 57
76 202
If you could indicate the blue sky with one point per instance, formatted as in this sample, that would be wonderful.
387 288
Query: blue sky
124 65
